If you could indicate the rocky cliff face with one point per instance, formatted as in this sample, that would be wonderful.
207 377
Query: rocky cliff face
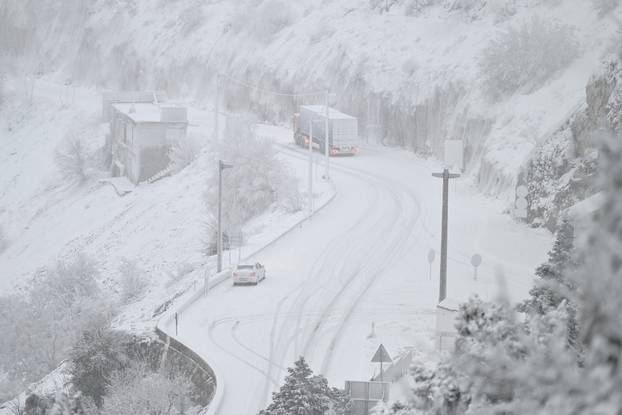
562 169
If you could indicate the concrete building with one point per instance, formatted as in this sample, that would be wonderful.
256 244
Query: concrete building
141 135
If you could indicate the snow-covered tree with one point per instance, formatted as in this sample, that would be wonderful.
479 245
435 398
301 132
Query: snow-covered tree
526 55
306 394
600 287
555 283
71 159
133 280
61 403
139 390
256 181
95 357
39 328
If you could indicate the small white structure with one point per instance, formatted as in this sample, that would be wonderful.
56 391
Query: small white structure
365 395
446 333
141 135
454 154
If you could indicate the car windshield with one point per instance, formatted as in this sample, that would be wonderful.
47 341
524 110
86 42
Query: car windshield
245 267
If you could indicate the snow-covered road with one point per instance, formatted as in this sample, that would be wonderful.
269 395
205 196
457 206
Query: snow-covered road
362 259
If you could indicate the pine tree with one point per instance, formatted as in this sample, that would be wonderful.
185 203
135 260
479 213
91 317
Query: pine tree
600 284
553 286
305 394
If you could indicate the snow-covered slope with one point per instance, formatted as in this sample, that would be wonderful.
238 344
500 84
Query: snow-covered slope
160 226
414 74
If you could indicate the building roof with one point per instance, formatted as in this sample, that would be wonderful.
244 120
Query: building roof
141 112
333 114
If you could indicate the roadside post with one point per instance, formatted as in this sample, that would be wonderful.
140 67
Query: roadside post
431 257
445 175
476 261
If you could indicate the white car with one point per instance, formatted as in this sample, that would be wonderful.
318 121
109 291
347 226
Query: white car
248 274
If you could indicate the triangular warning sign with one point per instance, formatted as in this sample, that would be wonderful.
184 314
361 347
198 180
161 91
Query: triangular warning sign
381 355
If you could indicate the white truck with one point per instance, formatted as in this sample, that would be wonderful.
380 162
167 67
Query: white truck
342 130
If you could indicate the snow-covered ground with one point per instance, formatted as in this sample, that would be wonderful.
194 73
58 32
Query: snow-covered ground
361 260
159 226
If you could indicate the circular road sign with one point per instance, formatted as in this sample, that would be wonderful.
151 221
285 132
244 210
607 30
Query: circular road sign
431 255
476 260
521 191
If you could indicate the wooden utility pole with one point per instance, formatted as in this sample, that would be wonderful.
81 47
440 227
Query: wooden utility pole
445 175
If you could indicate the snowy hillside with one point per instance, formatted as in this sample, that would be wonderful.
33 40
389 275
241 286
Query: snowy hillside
415 74
46 217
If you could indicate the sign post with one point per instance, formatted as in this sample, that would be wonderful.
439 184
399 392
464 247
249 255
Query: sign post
445 175
476 261
381 356
431 256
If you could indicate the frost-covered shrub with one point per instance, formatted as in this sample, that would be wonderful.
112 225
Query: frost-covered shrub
605 7
288 195
137 389
133 281
181 270
40 326
98 354
71 159
524 56
256 181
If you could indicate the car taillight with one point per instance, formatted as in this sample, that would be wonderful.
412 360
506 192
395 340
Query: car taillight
235 274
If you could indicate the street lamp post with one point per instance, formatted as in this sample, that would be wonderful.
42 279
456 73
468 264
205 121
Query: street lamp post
445 175
221 167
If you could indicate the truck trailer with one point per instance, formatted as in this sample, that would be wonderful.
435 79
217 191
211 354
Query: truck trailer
342 130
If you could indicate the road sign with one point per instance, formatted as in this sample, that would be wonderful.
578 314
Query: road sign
381 356
522 191
476 261
431 255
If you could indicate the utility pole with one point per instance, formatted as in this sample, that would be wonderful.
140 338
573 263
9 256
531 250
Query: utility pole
326 137
445 175
310 166
221 167
217 108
